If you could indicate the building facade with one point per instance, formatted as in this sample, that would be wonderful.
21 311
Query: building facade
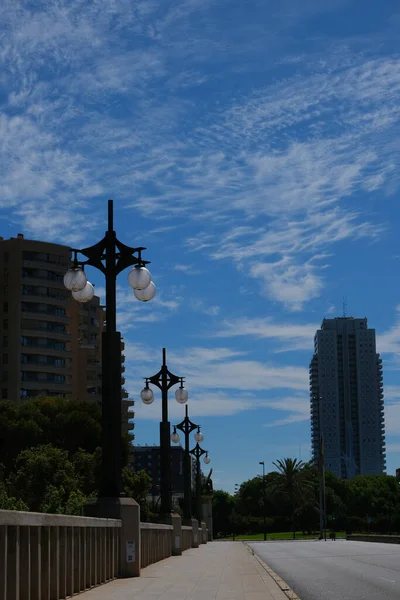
346 397
148 458
50 344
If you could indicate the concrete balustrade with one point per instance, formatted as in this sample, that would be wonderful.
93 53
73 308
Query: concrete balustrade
156 543
49 557
187 535
53 557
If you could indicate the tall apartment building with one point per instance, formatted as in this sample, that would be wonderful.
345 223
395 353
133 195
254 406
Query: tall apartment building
346 396
50 344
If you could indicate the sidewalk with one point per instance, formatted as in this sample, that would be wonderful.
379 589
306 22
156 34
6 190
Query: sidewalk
215 571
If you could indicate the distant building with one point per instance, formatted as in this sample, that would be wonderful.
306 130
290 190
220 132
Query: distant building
148 458
50 344
398 475
346 394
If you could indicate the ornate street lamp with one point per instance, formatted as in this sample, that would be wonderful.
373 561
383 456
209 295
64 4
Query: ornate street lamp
110 256
187 426
198 452
164 380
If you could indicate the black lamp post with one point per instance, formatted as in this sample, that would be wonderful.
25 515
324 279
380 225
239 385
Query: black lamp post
264 501
110 257
198 452
187 426
164 380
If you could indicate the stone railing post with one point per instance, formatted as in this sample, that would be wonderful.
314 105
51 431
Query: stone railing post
176 534
128 511
195 533
129 565
203 533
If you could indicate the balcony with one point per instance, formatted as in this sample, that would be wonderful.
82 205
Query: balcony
46 387
32 279
37 260
45 296
37 327
94 365
42 344
40 366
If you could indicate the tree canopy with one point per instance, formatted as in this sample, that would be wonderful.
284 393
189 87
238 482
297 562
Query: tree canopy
51 457
292 502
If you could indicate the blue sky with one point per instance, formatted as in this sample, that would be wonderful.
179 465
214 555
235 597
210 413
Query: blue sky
253 147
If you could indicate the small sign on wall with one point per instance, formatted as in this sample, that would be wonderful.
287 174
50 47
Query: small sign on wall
177 542
131 551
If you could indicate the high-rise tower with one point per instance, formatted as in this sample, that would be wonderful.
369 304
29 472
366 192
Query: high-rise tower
346 396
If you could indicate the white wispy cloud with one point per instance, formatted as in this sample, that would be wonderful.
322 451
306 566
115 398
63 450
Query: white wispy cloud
272 173
220 380
290 336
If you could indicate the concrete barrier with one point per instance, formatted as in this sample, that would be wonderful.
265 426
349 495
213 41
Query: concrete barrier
156 542
45 557
385 539
53 557
187 534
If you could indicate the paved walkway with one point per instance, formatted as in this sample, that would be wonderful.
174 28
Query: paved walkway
216 571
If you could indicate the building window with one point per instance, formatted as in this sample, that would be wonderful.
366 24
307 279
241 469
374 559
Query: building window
5 324
4 394
5 376
5 359
5 306
6 290
5 341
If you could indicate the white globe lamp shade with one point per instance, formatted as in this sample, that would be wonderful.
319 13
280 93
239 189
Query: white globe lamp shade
147 294
139 278
207 460
199 437
181 395
75 279
147 395
175 437
84 295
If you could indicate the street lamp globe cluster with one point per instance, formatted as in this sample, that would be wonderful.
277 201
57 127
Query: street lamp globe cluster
75 281
147 395
139 278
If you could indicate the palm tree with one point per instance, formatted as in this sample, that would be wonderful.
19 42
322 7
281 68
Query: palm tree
292 482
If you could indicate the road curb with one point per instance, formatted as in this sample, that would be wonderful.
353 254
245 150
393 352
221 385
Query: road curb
278 580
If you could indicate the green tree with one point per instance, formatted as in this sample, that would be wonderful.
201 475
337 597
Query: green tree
292 484
137 485
43 479
40 421
223 505
306 517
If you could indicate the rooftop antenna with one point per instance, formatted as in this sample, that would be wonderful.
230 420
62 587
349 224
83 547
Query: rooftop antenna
344 307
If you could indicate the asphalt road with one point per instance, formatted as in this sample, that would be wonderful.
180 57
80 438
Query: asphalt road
340 570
